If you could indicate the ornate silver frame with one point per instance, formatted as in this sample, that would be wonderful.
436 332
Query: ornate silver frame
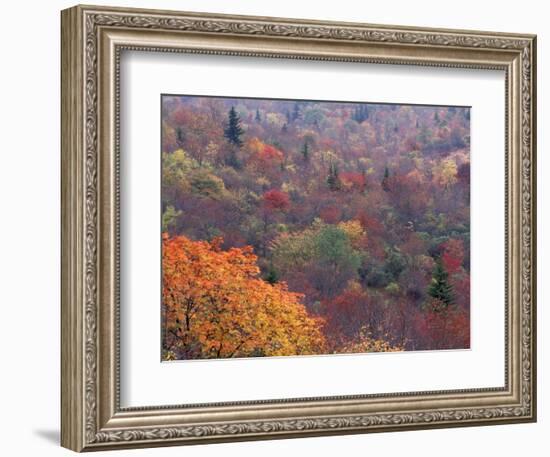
92 40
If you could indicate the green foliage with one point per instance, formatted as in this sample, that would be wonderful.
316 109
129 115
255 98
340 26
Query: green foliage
393 288
425 135
176 167
333 247
232 160
375 276
322 244
293 251
313 116
207 184
169 219
395 263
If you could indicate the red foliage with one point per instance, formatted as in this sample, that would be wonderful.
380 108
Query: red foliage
270 153
355 181
347 312
463 174
453 255
182 116
371 224
443 328
327 143
461 287
330 214
276 200
414 245
411 143
408 194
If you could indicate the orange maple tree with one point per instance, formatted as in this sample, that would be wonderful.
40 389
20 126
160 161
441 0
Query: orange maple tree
215 305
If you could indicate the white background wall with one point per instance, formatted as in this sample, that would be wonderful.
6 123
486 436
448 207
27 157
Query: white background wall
29 241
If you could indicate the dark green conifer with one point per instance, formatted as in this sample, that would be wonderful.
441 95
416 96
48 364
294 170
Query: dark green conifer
333 180
233 131
296 112
305 151
440 288
386 180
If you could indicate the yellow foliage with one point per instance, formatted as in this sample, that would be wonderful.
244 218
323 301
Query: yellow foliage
263 182
365 343
255 146
355 232
276 119
444 172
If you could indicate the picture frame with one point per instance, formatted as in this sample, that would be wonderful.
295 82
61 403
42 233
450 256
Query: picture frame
93 40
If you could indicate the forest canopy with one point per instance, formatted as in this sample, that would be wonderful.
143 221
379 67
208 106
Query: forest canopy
306 227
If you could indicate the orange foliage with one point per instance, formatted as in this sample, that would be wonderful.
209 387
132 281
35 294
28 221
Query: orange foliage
264 156
216 306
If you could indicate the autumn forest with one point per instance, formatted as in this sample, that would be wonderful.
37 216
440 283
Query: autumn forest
305 227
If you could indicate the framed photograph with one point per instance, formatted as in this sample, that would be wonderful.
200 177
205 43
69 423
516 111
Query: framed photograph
275 228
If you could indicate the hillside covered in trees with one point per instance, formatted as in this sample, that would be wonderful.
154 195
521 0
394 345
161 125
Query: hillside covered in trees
304 227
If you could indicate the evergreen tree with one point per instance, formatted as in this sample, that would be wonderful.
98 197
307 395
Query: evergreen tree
296 112
436 117
333 179
361 113
288 117
305 151
232 159
233 130
180 136
271 276
440 287
258 117
386 180
355 116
